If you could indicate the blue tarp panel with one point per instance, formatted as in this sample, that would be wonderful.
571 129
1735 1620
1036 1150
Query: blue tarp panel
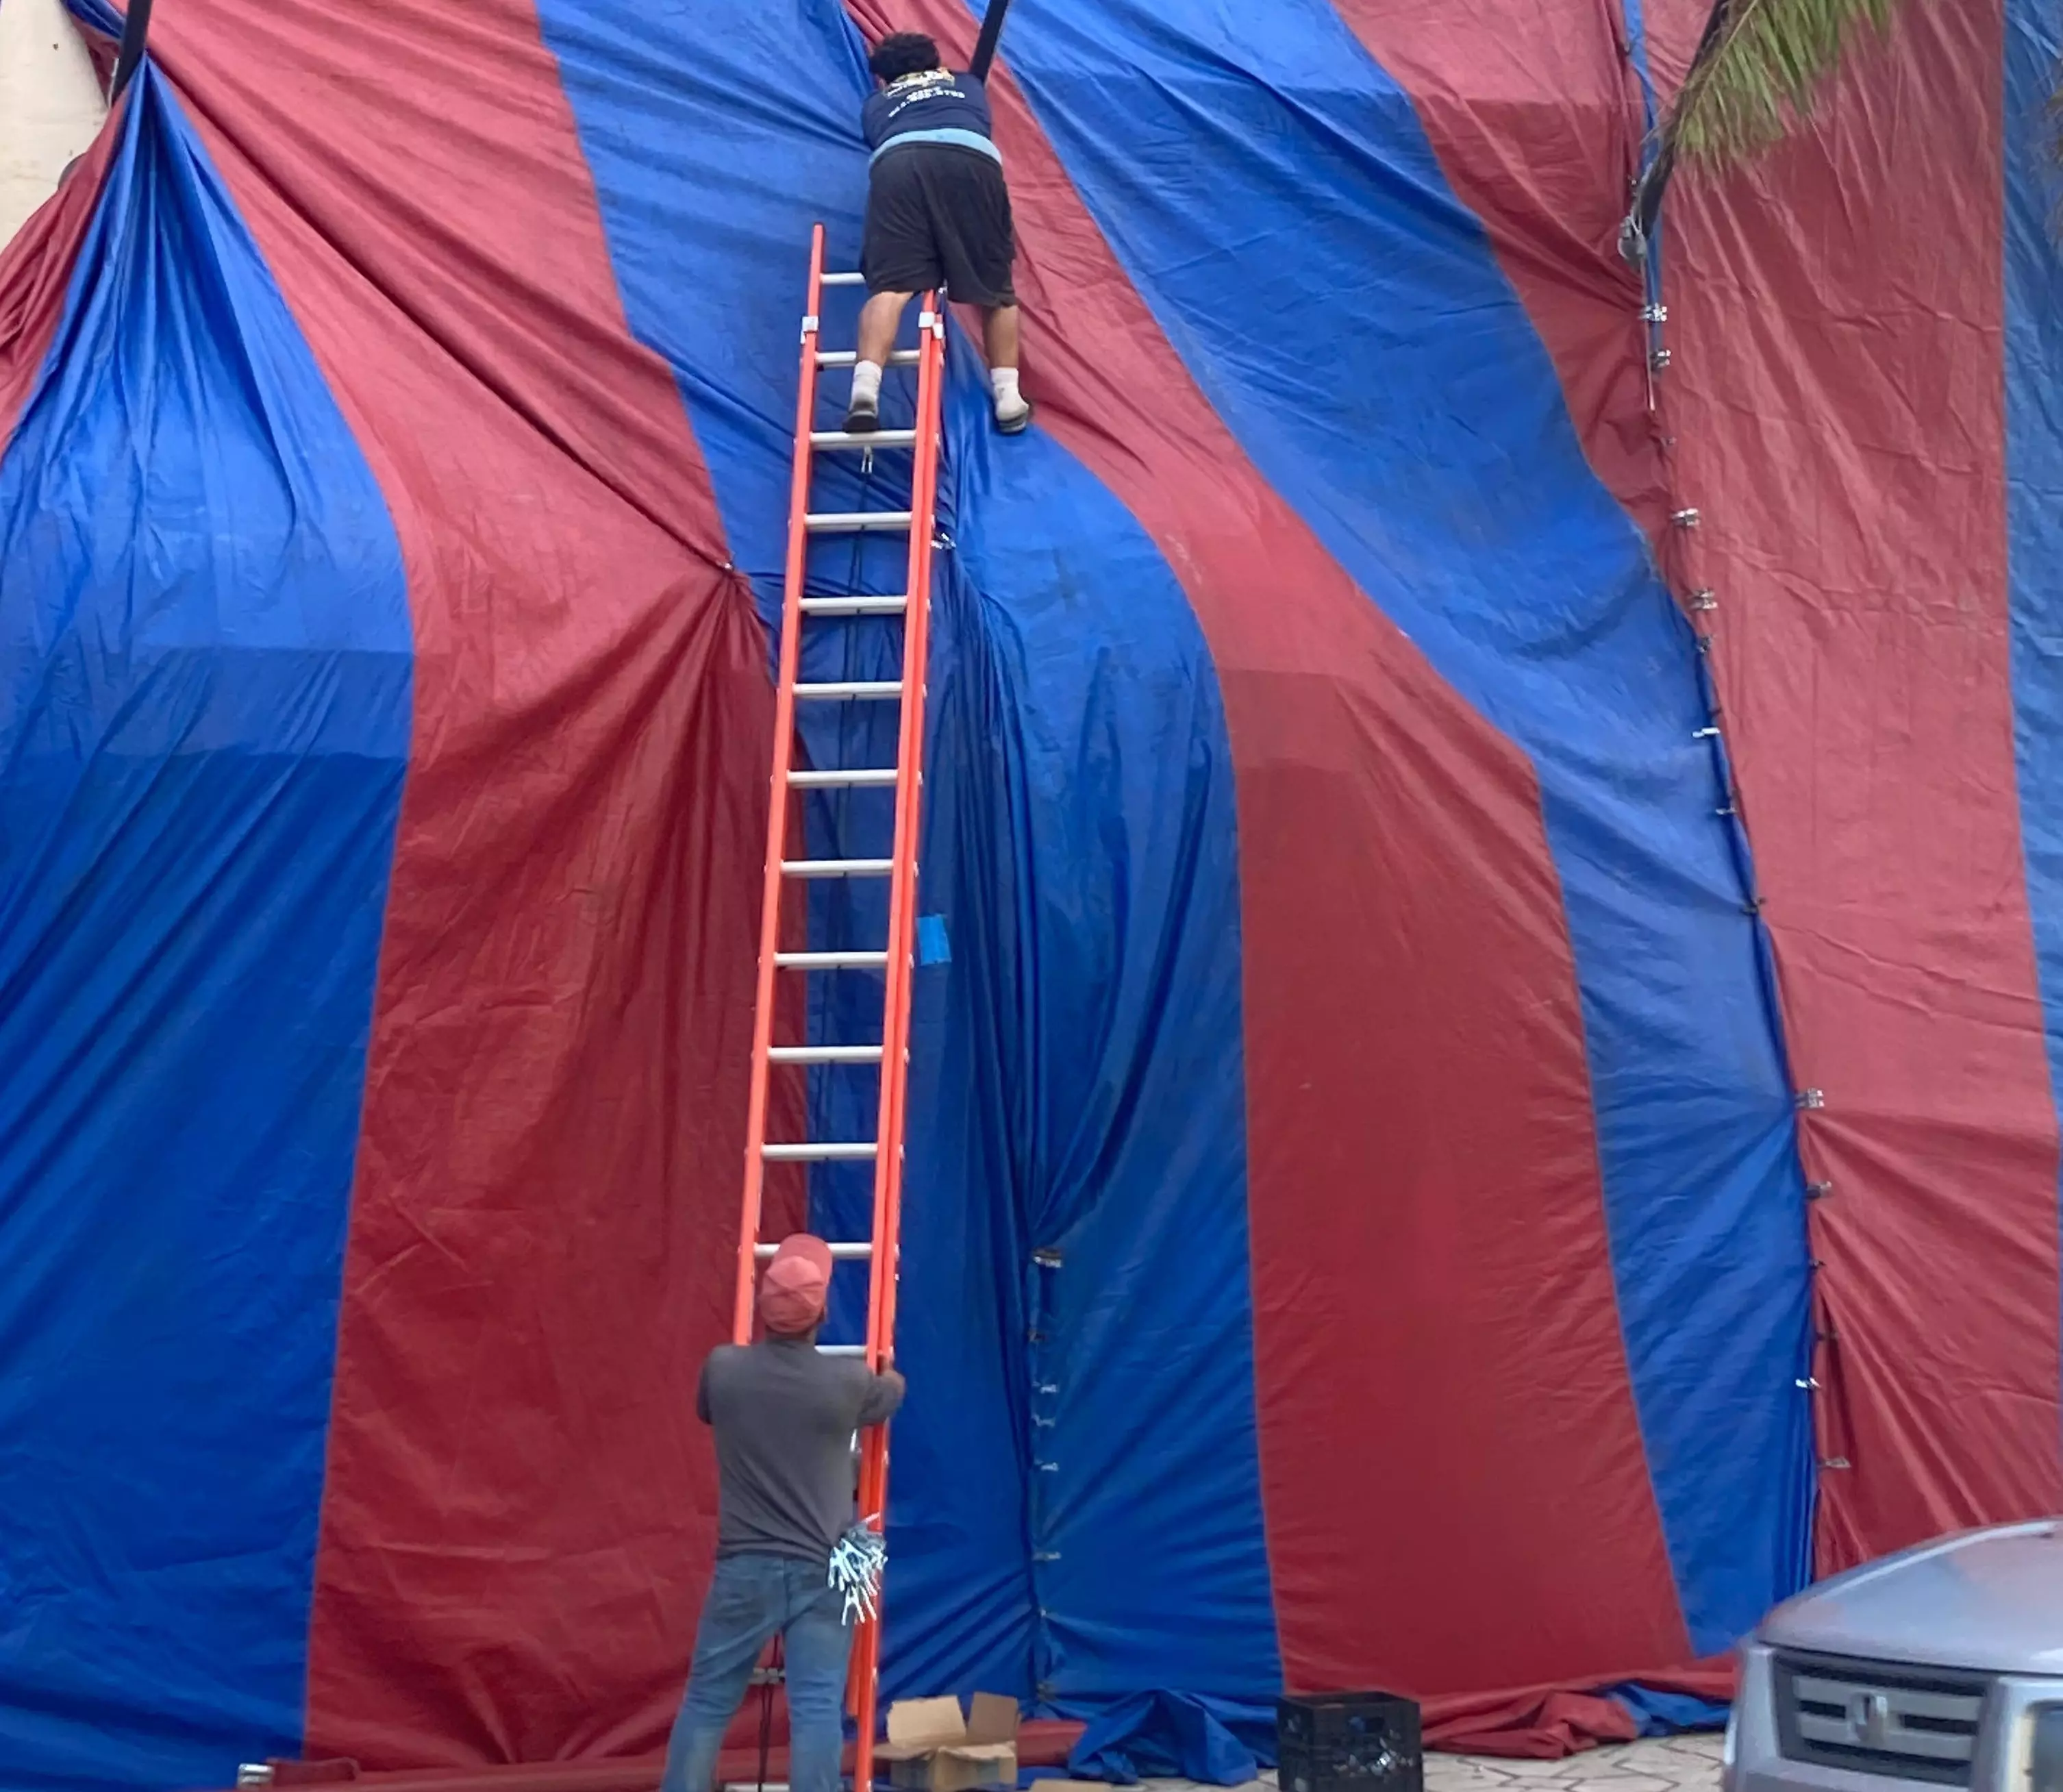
1079 1055
2034 481
1359 377
203 729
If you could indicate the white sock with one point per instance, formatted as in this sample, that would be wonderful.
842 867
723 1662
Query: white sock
866 384
1003 382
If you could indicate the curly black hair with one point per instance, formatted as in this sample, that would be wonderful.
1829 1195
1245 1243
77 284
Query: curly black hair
903 53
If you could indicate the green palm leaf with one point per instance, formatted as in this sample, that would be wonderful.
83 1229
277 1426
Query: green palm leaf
1759 73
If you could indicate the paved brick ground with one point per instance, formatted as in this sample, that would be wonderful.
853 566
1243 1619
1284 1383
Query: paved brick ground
1669 1764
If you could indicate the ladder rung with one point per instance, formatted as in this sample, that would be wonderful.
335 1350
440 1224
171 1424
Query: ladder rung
830 960
852 688
845 358
837 867
840 1252
832 522
867 604
863 438
843 280
823 1054
817 1150
834 781
841 1350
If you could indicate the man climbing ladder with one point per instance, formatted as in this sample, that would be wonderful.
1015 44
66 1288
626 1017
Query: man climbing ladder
938 214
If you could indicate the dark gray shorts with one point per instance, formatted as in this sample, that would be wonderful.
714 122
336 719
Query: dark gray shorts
938 215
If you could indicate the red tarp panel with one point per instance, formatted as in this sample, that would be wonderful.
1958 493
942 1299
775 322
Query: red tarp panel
1550 181
1836 403
553 1122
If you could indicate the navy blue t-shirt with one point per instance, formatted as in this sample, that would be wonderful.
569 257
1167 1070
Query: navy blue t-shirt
935 107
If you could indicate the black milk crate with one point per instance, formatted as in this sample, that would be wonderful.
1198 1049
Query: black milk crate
1349 1743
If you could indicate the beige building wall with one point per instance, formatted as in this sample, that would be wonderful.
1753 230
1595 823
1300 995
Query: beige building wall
50 105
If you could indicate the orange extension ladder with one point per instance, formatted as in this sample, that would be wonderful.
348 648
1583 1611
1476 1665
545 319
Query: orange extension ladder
884 1149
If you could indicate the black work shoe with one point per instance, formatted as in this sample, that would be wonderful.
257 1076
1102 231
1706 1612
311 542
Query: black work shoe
862 419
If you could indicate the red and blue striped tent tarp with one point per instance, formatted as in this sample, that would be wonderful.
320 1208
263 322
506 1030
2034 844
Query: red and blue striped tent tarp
1388 885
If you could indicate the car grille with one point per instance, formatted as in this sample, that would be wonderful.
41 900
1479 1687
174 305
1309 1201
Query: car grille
1874 1717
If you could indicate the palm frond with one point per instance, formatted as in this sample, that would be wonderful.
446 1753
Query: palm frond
1762 72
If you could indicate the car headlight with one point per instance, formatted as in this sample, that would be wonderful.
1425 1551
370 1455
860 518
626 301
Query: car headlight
2044 1757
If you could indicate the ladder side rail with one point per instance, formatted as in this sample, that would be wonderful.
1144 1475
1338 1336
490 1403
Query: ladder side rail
895 1017
881 1309
777 814
895 1028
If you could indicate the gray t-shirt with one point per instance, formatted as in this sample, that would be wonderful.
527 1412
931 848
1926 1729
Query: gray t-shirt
784 1416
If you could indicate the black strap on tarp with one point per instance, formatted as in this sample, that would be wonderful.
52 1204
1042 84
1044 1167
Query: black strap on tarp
984 45
1638 229
135 30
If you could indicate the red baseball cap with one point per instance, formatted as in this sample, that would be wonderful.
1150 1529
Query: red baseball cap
793 1290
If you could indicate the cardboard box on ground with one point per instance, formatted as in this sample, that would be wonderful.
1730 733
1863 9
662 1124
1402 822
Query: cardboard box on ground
933 1746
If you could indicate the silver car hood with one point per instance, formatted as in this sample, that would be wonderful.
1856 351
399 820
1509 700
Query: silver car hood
1991 1600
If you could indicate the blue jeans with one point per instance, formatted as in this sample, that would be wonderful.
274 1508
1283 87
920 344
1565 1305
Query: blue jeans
749 1599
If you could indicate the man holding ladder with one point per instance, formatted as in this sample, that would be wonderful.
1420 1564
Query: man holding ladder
784 1414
